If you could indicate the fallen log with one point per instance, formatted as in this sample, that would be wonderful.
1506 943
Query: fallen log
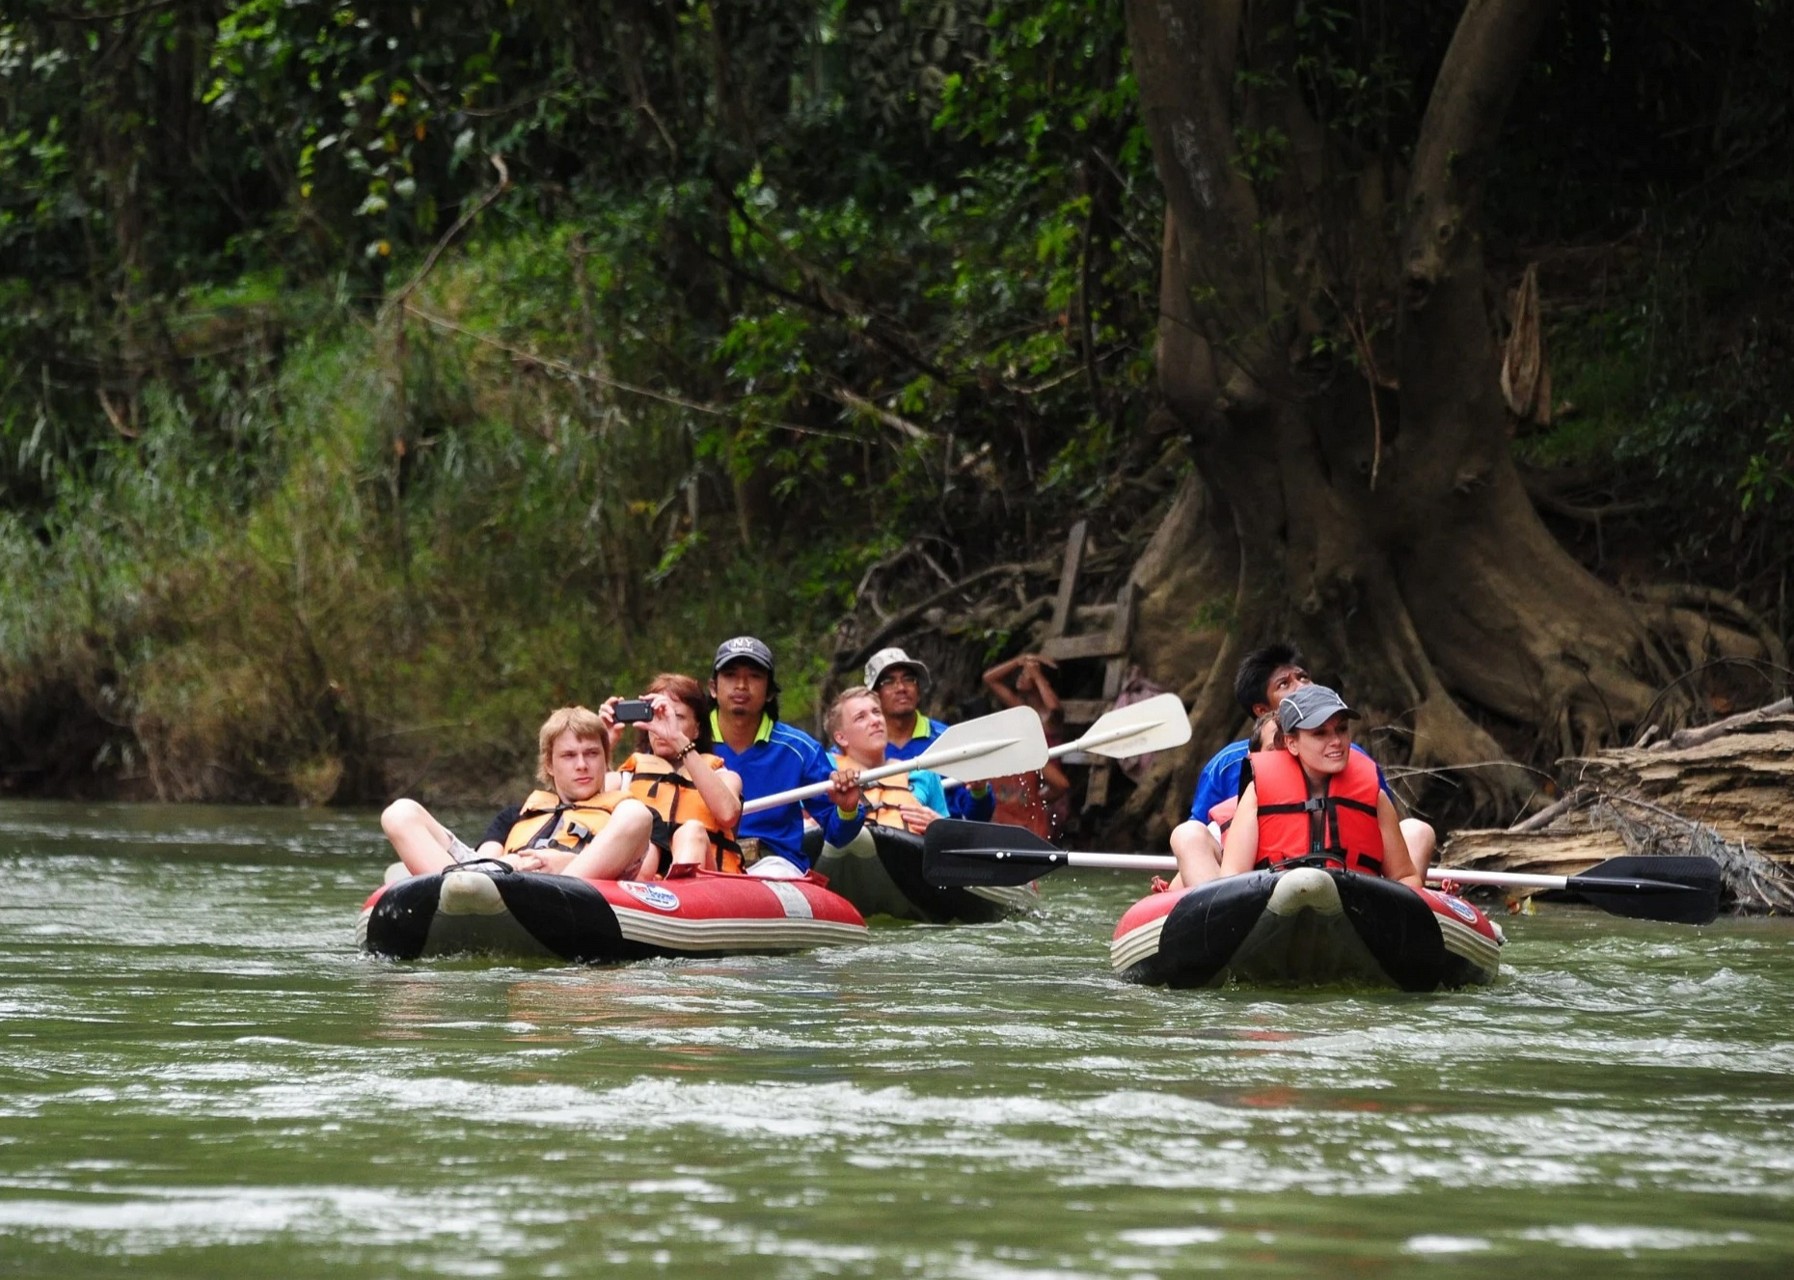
1741 784
1728 795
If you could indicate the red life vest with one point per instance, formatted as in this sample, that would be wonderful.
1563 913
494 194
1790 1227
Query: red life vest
1335 829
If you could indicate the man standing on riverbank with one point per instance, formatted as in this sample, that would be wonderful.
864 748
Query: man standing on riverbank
771 757
896 680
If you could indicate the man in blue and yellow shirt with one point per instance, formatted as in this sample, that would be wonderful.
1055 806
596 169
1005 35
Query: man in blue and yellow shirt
896 679
770 757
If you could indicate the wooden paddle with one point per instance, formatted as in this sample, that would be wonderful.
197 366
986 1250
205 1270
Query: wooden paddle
1682 890
1007 742
1158 723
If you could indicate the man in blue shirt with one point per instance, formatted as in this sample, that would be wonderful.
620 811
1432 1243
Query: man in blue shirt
1264 677
896 679
771 757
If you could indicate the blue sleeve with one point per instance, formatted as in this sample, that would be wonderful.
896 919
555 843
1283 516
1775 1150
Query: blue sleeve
927 787
836 830
961 803
816 767
1219 779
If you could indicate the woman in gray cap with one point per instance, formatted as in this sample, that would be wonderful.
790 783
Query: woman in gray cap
1315 801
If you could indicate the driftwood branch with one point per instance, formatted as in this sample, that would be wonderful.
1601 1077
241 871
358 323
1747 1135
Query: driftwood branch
905 619
853 400
449 237
561 368
1724 791
1683 738
1550 813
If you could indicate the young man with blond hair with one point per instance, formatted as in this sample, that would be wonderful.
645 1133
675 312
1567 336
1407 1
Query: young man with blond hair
542 833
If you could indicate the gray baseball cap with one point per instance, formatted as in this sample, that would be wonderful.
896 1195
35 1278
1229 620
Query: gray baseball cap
1309 706
743 647
885 659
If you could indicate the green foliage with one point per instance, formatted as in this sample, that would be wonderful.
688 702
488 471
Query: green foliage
1677 396
288 631
327 465
375 113
1769 475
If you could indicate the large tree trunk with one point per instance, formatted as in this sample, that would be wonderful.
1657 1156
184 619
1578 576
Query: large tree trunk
1374 512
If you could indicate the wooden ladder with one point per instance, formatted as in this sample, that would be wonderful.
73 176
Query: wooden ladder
1109 646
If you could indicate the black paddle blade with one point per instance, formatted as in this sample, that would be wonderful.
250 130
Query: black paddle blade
958 854
1680 890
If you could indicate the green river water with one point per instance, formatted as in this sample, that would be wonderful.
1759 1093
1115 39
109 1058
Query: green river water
200 1076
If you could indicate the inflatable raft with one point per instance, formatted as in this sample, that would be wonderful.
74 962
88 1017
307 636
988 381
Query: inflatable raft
487 910
880 872
1306 927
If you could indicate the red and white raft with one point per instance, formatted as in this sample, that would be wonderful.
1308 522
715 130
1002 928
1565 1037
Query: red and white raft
1306 926
476 910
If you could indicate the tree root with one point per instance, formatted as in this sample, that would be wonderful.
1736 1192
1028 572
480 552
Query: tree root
903 625
1703 602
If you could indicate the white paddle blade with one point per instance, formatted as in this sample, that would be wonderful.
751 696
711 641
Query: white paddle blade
989 747
1157 724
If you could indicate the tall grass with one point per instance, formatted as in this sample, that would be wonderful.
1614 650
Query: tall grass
422 533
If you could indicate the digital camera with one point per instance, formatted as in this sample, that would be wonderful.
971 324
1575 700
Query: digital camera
633 711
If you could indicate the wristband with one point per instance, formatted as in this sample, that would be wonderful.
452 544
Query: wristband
848 815
684 751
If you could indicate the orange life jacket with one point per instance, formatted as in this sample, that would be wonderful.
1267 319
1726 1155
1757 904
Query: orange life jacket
1337 828
674 799
548 822
884 798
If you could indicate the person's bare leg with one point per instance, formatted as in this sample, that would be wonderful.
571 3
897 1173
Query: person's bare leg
692 847
618 848
421 842
1422 842
1198 856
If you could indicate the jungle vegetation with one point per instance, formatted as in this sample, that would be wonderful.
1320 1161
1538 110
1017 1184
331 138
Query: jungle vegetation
375 376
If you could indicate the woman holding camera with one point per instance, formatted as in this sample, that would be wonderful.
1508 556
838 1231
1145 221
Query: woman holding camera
673 797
